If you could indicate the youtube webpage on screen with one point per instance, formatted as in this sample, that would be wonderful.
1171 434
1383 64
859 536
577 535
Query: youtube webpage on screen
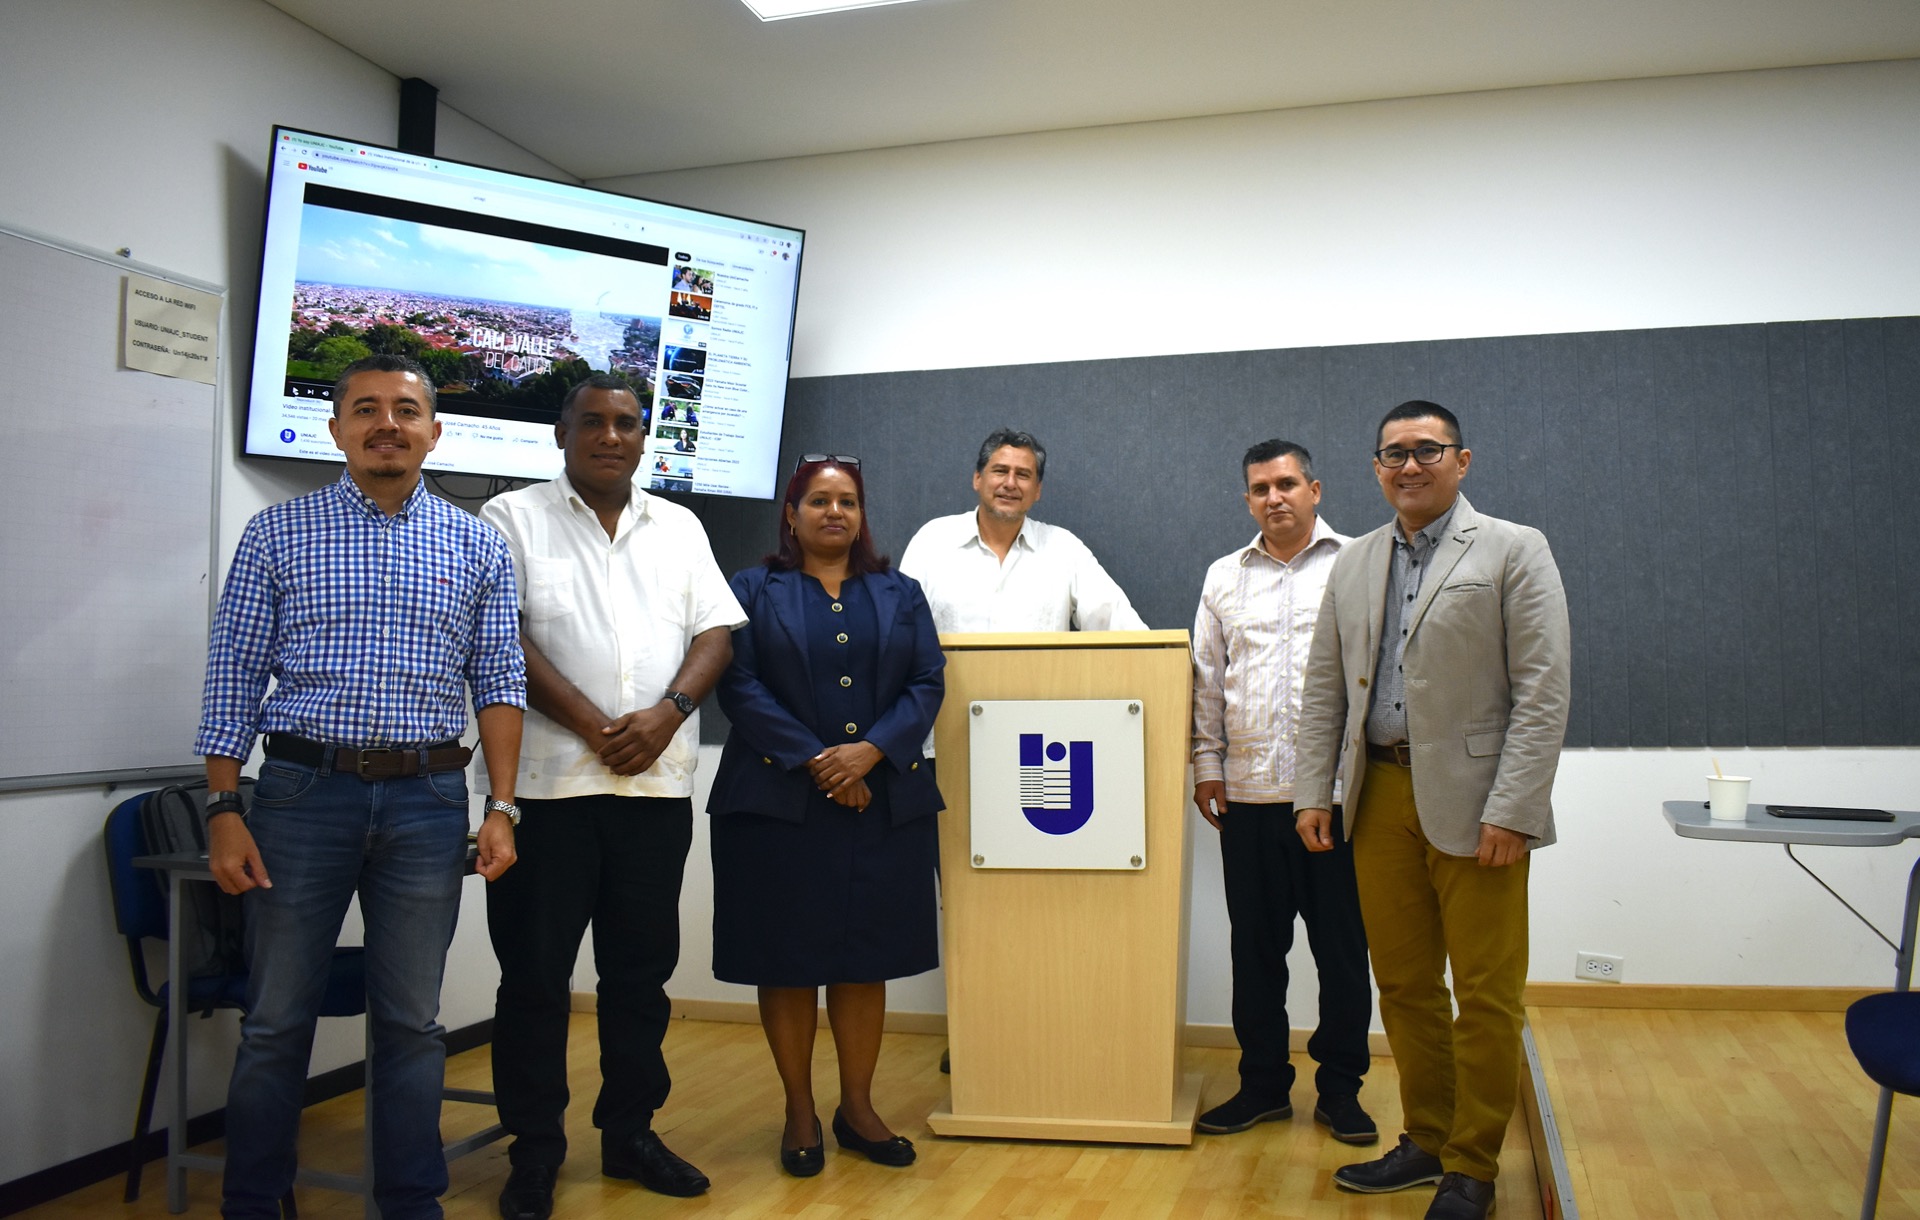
508 290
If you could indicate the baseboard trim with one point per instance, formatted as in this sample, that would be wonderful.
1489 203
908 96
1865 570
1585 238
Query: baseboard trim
1538 995
1691 996
1215 1037
1220 1037
83 1171
744 1012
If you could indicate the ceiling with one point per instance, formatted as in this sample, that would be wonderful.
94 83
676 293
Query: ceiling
604 88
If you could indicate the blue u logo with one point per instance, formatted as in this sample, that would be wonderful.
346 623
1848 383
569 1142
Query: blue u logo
1056 801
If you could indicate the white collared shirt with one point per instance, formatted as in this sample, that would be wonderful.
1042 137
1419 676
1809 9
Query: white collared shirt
1049 582
1251 636
615 616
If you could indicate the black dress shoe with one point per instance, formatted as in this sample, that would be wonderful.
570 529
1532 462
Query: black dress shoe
651 1163
1403 1166
807 1161
897 1151
529 1193
1461 1198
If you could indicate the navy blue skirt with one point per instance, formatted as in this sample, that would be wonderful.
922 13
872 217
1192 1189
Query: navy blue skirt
839 898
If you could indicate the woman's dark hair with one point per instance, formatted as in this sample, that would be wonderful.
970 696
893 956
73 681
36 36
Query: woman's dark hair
861 559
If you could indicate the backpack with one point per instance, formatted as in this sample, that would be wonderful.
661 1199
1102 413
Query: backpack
212 928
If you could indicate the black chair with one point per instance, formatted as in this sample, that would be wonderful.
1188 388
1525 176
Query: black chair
140 914
1884 1032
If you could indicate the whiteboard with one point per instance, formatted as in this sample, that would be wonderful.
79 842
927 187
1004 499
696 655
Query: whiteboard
108 478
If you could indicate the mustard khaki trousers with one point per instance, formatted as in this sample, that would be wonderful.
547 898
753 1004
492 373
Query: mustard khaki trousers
1459 1075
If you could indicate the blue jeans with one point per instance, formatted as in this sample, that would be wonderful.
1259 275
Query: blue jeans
323 836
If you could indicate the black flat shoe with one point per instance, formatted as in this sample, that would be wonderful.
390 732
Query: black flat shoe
805 1162
897 1151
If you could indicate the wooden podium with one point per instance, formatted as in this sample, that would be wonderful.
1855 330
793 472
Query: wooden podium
1066 989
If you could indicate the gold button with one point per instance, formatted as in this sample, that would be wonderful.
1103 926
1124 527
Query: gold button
767 761
852 728
836 607
842 637
914 767
846 681
1363 681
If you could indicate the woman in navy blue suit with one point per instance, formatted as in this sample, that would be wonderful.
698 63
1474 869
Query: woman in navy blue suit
824 835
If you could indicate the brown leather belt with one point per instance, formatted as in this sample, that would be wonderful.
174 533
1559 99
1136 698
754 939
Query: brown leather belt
1400 755
396 762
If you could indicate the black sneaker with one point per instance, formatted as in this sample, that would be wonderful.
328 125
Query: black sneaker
1345 1120
1403 1166
1241 1111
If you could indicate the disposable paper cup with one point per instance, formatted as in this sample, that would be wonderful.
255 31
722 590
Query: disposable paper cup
1727 794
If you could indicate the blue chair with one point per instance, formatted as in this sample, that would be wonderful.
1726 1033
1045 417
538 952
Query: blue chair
140 914
1884 1032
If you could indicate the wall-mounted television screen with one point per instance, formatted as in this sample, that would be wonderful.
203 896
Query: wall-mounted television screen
508 289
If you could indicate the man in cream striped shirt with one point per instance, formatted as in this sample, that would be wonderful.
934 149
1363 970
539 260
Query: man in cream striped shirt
1251 636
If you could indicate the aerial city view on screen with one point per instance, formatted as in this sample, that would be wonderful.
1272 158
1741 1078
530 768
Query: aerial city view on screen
499 323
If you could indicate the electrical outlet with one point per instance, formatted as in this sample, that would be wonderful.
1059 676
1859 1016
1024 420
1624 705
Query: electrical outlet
1598 967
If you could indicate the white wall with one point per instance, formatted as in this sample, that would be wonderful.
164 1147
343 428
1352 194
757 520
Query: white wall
146 126
1748 197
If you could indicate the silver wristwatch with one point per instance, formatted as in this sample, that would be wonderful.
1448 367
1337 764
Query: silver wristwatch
507 807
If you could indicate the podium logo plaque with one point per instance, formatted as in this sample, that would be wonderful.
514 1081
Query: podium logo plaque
1057 784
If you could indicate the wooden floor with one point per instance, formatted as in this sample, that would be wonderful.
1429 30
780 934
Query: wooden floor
725 1117
1719 1114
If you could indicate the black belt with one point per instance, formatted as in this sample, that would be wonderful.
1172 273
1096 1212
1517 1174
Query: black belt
395 762
1400 755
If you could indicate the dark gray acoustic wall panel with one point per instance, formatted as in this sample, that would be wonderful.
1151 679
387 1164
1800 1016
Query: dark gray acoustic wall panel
1721 500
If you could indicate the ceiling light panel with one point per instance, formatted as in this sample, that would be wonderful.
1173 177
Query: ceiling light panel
780 10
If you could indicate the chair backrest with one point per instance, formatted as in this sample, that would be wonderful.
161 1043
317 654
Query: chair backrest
139 904
1884 1032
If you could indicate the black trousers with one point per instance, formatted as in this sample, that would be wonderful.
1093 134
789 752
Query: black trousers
1271 877
614 862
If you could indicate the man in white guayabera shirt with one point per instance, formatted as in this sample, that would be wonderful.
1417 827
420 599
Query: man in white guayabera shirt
1251 636
626 623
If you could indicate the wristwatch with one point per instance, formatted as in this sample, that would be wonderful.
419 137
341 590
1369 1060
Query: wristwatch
225 802
682 701
507 807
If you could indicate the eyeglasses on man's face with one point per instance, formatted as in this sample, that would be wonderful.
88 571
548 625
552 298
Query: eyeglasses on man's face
1393 456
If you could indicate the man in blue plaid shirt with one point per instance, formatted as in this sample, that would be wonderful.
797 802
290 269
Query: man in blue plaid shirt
370 604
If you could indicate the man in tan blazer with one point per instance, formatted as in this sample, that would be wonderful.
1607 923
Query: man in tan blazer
1438 686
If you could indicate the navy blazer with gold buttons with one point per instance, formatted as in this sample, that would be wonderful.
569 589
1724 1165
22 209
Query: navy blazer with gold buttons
768 695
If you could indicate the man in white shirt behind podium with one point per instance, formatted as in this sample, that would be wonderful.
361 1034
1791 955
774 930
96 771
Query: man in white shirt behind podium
996 569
